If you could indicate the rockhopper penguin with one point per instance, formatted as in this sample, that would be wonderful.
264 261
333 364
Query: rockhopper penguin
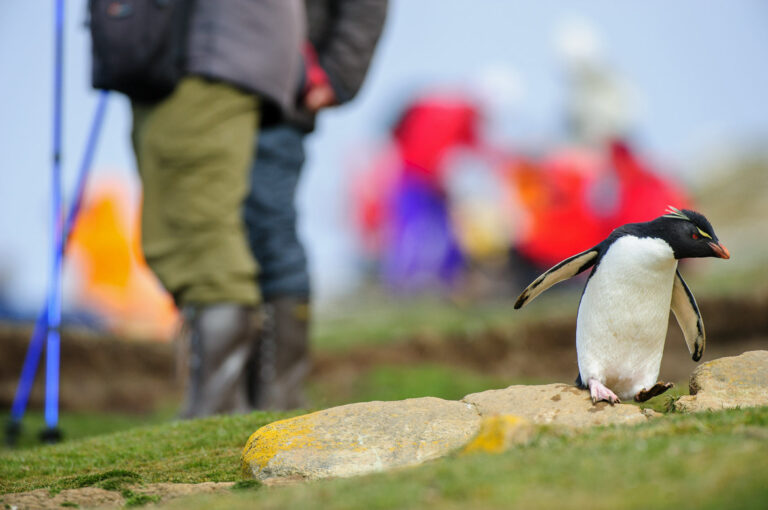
624 310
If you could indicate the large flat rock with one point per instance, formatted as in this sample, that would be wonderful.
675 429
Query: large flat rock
736 381
359 438
555 404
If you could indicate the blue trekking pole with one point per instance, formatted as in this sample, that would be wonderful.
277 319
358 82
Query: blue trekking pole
49 319
32 359
51 432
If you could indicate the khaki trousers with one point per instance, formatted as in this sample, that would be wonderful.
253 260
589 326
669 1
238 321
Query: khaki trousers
194 152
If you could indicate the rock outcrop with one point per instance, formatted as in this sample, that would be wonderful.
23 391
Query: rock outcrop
356 439
555 404
736 381
359 438
374 436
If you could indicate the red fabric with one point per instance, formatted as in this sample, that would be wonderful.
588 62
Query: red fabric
431 127
427 131
643 195
315 74
562 220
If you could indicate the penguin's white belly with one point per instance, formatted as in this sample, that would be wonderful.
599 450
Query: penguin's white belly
623 315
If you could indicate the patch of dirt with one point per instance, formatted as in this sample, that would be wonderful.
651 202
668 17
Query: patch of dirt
42 499
168 491
90 497
108 374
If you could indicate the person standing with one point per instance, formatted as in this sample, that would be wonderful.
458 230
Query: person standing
194 150
342 36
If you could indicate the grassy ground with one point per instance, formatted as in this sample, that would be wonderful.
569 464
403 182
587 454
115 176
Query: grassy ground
711 460
397 382
177 451
708 461
372 320
375 320
388 382
82 425
381 319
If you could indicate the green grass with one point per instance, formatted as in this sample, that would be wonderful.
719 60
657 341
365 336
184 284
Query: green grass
712 460
386 382
380 319
179 451
709 460
732 280
82 425
397 382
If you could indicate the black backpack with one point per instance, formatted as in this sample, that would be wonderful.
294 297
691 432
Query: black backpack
138 46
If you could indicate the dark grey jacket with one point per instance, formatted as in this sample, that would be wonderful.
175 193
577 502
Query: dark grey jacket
252 44
344 34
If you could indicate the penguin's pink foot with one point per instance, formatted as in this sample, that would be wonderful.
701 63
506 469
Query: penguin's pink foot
600 392
657 389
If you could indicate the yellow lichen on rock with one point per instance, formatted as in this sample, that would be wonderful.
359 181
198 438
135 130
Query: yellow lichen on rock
270 439
499 432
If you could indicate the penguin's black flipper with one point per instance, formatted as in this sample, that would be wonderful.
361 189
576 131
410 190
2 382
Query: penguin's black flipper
688 316
566 269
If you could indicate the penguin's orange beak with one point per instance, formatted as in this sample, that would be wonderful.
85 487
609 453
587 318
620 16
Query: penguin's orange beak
720 250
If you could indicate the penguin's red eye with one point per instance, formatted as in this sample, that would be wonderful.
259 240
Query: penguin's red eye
695 236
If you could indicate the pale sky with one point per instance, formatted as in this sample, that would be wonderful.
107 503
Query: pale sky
699 66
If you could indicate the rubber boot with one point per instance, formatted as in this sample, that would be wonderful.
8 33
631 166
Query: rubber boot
220 339
280 364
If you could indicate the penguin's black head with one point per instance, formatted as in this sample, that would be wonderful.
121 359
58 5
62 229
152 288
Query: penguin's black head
690 235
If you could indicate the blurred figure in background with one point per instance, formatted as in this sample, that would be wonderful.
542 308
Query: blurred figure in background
431 224
554 193
342 37
641 192
408 220
603 109
193 149
423 249
576 195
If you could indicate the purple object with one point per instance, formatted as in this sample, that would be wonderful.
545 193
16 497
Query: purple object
421 252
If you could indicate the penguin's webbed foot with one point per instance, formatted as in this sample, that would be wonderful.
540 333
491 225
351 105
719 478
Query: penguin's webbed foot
655 390
599 392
